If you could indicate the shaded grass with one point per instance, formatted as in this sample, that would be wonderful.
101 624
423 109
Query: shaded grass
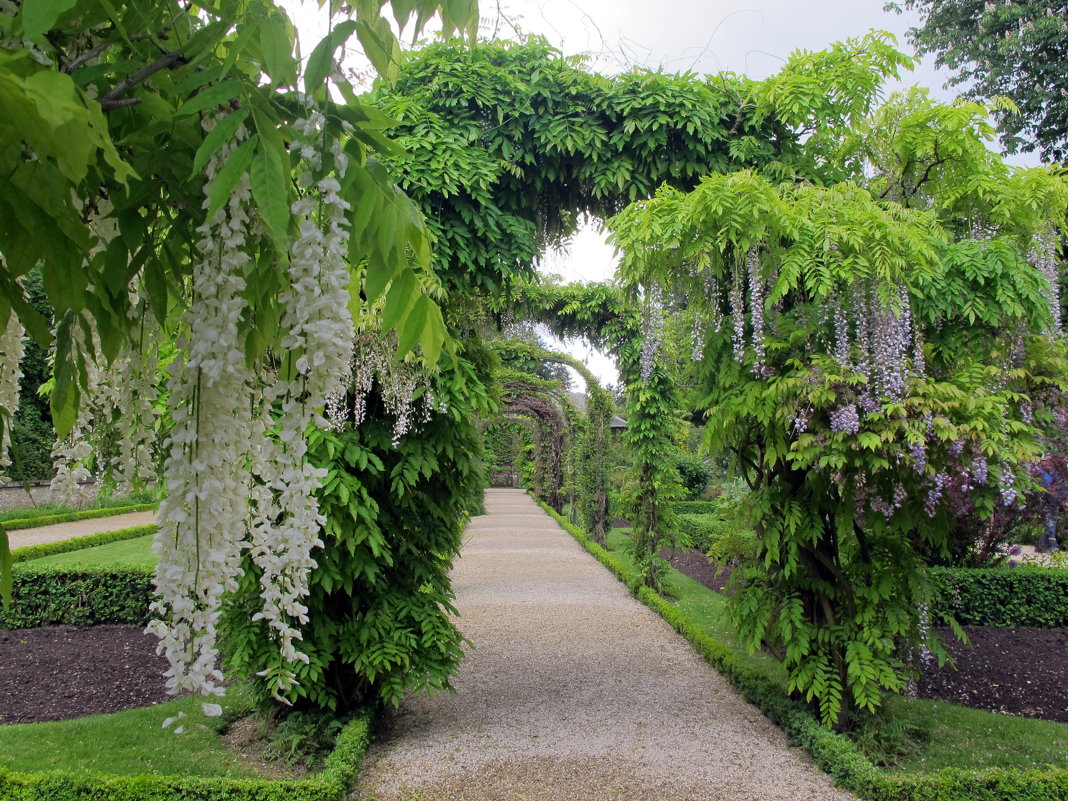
958 736
130 743
950 735
135 553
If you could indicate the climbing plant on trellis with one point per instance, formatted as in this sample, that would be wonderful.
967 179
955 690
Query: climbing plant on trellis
578 474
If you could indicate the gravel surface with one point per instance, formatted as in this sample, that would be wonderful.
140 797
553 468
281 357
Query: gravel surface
79 528
574 690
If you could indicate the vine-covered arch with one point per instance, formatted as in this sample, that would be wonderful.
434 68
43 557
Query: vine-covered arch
507 145
571 444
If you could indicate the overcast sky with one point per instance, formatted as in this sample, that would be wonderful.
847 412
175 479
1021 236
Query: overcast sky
753 37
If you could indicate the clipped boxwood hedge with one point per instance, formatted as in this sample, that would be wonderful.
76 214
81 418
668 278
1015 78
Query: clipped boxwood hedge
835 754
701 530
71 517
694 508
1002 596
53 597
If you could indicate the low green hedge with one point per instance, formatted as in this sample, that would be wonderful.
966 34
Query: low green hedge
70 517
332 784
694 507
1003 596
31 552
835 754
50 597
700 530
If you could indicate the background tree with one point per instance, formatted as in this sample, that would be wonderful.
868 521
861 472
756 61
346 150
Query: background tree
1016 49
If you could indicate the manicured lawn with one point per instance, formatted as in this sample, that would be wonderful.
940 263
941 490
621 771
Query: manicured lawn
962 737
941 735
125 553
129 743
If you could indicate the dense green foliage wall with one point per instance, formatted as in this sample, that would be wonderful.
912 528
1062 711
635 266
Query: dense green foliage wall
1002 596
380 616
507 145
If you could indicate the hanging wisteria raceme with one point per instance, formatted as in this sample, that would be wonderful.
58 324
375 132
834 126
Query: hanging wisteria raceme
757 295
1043 257
652 329
11 353
317 341
134 416
72 456
203 518
398 385
736 301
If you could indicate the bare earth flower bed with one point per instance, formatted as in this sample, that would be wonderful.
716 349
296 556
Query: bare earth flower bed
63 672
1014 671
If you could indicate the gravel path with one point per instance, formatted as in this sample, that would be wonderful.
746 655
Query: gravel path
574 690
79 528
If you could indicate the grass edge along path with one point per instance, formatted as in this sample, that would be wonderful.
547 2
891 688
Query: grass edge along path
32 552
835 754
333 783
18 524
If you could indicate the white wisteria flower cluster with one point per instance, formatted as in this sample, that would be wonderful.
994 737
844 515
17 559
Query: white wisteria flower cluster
318 333
72 456
203 518
238 482
11 353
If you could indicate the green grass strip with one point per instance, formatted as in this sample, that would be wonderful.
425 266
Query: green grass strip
332 784
835 754
31 552
71 517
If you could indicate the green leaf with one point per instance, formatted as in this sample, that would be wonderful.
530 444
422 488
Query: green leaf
412 329
227 178
400 299
270 189
433 335
222 132
218 95
277 50
38 16
321 61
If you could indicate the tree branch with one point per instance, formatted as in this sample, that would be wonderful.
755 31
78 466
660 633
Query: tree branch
115 99
99 49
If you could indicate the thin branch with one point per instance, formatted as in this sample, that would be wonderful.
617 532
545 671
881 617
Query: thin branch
114 99
99 49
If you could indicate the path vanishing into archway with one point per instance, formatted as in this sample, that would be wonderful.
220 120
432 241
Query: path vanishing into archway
573 690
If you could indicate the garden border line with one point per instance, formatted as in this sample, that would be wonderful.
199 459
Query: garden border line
30 552
18 524
833 753
332 784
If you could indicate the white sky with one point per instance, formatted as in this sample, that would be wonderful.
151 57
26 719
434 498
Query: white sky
704 36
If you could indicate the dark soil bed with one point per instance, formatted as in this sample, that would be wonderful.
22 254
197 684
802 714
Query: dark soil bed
1020 671
63 672
1016 671
697 566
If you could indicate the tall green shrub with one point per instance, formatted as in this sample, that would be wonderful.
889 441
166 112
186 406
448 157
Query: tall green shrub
380 606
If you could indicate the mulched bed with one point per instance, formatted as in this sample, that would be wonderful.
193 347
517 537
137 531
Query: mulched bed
1016 671
63 672
1020 671
699 567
